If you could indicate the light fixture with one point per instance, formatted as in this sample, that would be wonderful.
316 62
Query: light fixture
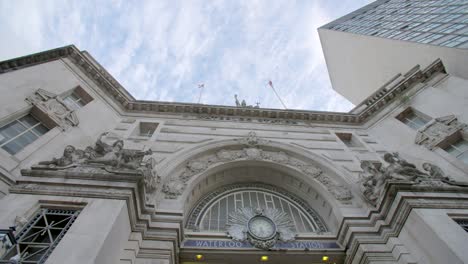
325 258
199 256
264 258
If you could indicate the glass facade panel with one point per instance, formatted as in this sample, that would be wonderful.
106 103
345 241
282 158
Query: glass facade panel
407 18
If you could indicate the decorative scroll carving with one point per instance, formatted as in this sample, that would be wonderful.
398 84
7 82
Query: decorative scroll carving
432 134
107 158
245 224
53 107
373 178
175 186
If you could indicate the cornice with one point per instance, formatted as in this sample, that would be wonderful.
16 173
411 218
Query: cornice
118 93
385 222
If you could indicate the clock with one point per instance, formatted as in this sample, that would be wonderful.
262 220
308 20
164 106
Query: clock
262 227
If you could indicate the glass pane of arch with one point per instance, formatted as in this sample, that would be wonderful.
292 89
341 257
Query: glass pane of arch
211 214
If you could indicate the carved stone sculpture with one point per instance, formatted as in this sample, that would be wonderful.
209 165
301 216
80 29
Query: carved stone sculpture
243 104
261 227
53 107
371 182
400 169
435 172
106 158
373 179
437 130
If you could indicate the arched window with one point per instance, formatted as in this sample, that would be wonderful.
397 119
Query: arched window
212 212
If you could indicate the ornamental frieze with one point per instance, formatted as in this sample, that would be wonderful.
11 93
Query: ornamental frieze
252 150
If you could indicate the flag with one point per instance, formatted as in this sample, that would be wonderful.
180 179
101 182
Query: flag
201 85
270 83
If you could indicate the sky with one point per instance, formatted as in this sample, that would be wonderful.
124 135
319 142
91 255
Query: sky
162 50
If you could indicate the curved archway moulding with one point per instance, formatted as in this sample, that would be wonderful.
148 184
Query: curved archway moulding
253 148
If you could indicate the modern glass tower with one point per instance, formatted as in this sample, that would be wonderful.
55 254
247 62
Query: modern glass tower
388 35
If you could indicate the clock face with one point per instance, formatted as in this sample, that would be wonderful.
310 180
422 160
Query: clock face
262 227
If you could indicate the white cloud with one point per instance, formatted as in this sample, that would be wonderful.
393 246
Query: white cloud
161 50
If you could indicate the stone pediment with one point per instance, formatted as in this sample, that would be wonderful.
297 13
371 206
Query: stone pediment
52 110
437 130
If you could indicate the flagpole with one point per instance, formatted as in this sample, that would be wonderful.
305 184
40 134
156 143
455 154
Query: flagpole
201 91
271 85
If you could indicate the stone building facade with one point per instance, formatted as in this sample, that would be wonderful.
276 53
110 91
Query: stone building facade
89 174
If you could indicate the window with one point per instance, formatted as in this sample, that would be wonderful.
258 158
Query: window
144 129
40 236
452 28
429 38
459 149
463 223
212 213
413 118
77 99
454 42
16 135
349 140
73 101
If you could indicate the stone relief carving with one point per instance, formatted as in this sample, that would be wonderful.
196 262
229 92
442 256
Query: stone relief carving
107 158
373 178
53 106
254 120
436 131
261 227
252 151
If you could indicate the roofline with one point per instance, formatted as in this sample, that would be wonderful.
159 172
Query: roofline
118 93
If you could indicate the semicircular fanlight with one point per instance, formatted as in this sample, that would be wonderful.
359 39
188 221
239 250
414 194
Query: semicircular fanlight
212 212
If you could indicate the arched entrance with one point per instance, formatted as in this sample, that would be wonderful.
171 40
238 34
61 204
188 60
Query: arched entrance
247 198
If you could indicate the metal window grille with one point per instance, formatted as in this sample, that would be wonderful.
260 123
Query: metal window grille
37 240
212 213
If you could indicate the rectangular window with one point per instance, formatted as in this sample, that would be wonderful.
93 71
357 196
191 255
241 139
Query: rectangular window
77 98
73 101
413 119
145 129
16 135
459 150
454 42
429 38
349 140
40 236
452 28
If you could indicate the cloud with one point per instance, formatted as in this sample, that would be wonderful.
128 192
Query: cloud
161 50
